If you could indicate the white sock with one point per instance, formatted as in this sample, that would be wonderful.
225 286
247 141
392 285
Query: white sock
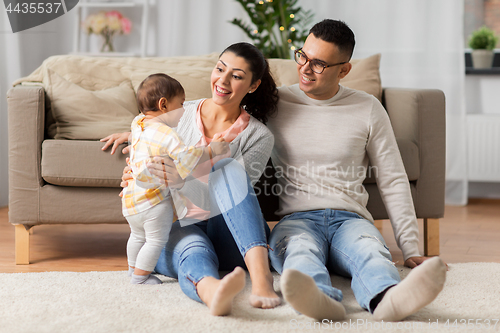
130 271
418 289
145 279
302 293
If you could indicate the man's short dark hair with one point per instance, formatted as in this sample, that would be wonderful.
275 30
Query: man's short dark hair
336 32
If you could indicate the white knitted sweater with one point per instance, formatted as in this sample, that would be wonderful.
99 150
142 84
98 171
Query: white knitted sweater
321 154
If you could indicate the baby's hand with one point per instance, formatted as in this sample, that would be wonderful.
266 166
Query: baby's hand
218 138
219 145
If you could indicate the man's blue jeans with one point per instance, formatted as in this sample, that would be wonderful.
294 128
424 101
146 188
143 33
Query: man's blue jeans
315 242
221 242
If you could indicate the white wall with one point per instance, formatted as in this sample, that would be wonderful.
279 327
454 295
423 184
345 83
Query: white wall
482 98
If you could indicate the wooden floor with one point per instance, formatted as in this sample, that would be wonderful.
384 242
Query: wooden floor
468 234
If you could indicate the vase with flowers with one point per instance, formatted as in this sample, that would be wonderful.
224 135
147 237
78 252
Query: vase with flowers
107 24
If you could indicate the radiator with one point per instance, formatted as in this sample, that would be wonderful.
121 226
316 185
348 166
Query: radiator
483 147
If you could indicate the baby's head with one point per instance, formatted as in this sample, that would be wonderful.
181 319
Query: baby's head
159 93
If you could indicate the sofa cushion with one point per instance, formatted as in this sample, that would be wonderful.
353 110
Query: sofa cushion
85 114
194 80
365 76
81 163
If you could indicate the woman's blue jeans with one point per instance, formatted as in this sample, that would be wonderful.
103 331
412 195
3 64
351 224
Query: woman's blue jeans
323 241
199 250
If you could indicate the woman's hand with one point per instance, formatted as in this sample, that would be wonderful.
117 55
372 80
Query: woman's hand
115 140
165 170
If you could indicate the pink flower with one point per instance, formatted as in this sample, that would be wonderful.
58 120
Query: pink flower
126 25
114 13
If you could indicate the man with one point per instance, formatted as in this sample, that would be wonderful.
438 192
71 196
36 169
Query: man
325 135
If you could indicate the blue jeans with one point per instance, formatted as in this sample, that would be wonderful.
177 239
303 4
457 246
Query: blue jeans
315 242
199 250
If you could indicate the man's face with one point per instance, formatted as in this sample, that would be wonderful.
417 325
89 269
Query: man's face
325 85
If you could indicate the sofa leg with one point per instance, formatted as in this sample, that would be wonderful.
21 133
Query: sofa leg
431 237
22 245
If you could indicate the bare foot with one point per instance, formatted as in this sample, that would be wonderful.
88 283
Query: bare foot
263 294
220 301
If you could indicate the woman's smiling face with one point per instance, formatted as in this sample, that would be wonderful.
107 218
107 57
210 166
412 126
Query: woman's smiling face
231 80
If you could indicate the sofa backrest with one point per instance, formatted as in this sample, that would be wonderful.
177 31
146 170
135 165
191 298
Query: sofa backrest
105 87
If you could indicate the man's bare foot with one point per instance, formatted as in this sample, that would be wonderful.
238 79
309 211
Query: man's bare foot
263 294
218 295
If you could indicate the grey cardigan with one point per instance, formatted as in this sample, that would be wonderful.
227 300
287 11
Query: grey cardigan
251 148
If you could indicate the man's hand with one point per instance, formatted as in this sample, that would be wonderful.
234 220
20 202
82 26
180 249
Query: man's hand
165 170
413 262
115 140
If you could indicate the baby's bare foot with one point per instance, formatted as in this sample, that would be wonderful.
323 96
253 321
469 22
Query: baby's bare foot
229 287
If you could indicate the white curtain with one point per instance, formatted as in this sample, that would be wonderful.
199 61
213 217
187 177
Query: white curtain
420 40
9 71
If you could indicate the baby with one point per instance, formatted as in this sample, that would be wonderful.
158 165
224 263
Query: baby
146 201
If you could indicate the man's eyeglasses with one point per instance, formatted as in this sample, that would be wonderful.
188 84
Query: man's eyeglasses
317 66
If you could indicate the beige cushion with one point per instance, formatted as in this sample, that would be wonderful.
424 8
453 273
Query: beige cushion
85 114
196 81
364 75
81 163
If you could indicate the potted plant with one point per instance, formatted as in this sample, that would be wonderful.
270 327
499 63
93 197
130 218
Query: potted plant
482 42
278 26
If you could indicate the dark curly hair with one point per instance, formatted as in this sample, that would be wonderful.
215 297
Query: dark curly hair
263 102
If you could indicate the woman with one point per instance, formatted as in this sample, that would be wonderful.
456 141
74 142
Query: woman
236 237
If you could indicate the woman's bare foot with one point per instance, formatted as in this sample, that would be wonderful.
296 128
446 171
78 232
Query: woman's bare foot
263 295
218 295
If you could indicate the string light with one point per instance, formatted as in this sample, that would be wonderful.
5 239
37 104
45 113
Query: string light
289 41
282 28
292 16
261 2
292 48
256 31
292 29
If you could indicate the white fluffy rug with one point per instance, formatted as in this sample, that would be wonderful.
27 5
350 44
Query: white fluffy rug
106 302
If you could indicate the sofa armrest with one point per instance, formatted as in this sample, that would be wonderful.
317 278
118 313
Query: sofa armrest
419 115
26 123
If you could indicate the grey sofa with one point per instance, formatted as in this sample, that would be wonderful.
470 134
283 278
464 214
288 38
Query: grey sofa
61 181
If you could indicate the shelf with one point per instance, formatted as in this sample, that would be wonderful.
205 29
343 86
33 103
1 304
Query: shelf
107 4
483 71
83 8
